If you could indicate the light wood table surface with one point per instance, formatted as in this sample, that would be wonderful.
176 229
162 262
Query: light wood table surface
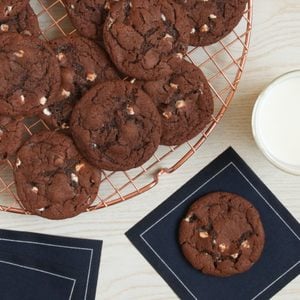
125 274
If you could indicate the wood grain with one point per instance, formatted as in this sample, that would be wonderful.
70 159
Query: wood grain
124 274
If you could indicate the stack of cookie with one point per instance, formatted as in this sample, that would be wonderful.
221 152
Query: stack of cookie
78 88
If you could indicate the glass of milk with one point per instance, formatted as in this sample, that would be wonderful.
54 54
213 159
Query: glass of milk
276 122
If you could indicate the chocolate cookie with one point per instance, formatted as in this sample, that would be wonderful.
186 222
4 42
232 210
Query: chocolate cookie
222 234
29 75
26 22
52 178
142 36
212 20
10 8
116 126
88 16
83 64
183 100
11 132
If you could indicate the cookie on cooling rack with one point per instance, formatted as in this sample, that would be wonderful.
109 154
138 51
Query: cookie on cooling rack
88 16
83 64
52 178
26 22
116 126
142 36
10 8
29 75
222 234
212 20
11 132
184 101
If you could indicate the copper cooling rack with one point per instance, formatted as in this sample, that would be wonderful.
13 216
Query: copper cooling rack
223 64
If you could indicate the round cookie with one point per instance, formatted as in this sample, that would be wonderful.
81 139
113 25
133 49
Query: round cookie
222 234
29 75
88 16
10 8
52 178
142 36
183 100
83 64
26 22
116 126
212 20
11 133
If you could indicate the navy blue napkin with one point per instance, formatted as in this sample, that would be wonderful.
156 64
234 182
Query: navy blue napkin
68 259
156 236
22 282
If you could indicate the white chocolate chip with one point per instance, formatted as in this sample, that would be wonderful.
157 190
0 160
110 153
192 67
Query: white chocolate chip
193 31
179 55
20 53
189 218
74 178
174 86
43 100
91 77
35 189
65 93
107 5
22 99
222 247
4 27
60 56
235 255
245 244
204 28
65 126
7 10
167 115
132 81
130 110
72 6
110 22
41 209
168 36
47 112
18 163
78 167
180 104
163 17
203 234
212 16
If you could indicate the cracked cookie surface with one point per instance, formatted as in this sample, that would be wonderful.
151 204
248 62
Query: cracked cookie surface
52 178
212 20
11 132
116 126
10 8
88 16
29 75
142 36
222 234
83 64
26 22
183 100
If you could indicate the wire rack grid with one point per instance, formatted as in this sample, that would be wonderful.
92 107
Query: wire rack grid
223 64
